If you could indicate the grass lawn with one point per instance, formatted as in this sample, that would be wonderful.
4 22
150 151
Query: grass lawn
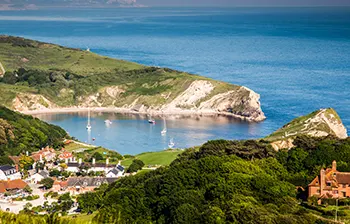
74 146
162 158
79 219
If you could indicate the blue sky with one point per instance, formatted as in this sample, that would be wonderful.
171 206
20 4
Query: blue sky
245 2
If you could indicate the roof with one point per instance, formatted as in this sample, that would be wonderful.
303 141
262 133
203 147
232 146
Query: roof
89 181
114 171
70 164
44 173
12 184
6 167
120 168
15 159
343 178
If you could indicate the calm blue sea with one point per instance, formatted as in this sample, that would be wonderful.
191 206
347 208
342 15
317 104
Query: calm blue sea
298 59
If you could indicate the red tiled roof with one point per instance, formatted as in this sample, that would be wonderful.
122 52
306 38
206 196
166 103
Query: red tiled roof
343 178
12 184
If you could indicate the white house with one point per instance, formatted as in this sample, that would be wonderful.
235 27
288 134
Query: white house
36 178
8 172
116 172
74 167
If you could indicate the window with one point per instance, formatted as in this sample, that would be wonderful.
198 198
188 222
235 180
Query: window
329 183
335 192
344 194
344 185
318 191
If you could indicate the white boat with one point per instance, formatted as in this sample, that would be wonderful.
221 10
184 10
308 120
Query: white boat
107 122
150 120
171 143
88 126
164 131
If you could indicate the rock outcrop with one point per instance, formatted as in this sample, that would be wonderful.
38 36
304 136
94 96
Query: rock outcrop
198 98
321 123
28 102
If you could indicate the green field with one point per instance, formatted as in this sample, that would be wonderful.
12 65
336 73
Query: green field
162 158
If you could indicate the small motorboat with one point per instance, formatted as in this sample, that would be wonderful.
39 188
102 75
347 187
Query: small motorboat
150 120
108 122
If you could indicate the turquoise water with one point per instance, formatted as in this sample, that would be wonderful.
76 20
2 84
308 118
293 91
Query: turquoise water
297 59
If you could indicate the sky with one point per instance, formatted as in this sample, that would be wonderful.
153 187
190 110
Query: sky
244 2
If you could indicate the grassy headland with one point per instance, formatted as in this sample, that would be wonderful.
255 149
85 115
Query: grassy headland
41 75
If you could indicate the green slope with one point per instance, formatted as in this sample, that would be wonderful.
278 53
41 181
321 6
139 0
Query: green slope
16 52
20 133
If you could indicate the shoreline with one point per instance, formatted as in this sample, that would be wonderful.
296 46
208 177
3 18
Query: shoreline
130 111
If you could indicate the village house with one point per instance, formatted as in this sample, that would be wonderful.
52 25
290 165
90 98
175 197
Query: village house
116 172
8 172
14 187
79 185
47 153
65 155
74 166
37 177
330 184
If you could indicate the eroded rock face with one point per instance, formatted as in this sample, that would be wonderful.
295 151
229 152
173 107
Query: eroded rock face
198 98
321 123
241 102
27 102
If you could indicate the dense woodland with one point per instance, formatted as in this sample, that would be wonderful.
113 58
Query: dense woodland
20 133
222 182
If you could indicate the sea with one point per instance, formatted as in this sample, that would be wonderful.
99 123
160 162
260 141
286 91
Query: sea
297 59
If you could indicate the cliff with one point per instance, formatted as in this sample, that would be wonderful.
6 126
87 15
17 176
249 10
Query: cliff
42 76
321 123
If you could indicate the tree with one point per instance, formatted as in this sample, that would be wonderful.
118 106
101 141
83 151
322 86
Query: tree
98 156
135 166
47 183
25 162
28 189
55 173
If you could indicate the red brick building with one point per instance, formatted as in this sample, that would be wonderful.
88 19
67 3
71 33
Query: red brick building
330 183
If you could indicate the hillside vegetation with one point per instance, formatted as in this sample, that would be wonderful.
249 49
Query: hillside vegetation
43 76
224 182
20 133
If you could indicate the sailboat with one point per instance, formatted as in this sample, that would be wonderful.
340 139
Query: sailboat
163 132
171 143
88 126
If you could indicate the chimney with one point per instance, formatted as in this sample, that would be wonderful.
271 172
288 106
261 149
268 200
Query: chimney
16 167
41 157
107 162
66 160
334 165
93 161
80 160
322 180
27 153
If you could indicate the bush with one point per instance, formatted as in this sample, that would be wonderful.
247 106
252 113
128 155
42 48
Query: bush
135 166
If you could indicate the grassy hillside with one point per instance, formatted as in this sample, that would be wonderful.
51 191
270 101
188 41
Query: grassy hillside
20 133
162 158
16 52
68 77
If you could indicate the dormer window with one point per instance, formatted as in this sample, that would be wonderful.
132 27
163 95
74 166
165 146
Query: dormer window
329 183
